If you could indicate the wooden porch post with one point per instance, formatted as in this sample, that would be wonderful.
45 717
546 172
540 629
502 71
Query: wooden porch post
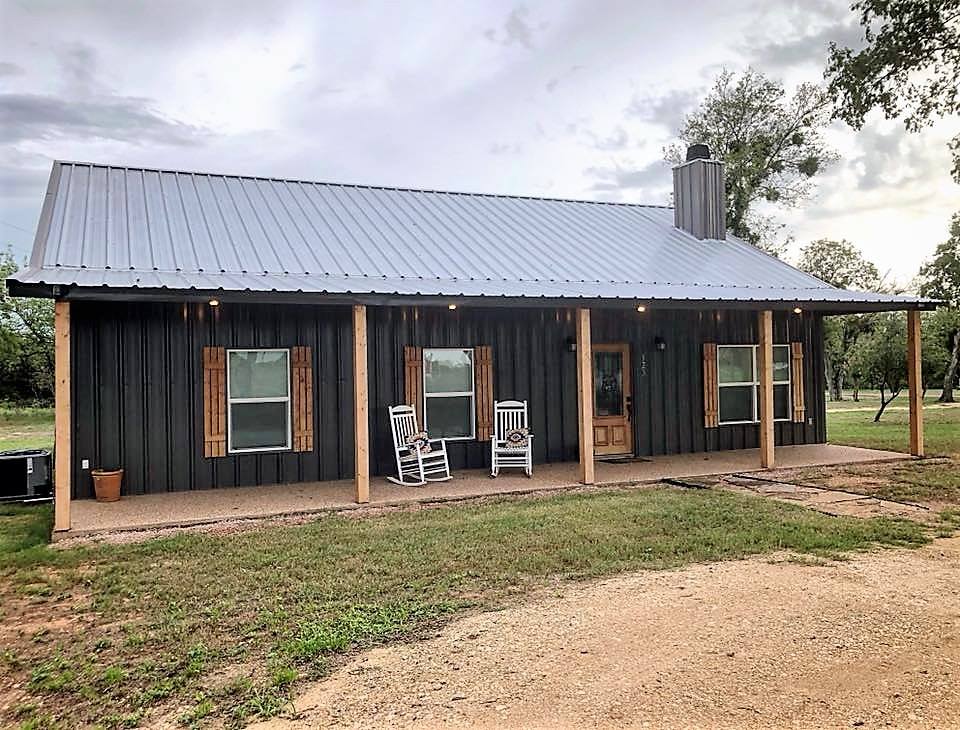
915 382
765 368
62 445
360 407
585 395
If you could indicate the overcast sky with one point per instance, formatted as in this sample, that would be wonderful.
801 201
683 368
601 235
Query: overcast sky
570 99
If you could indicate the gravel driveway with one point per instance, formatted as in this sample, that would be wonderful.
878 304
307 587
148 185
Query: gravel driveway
872 642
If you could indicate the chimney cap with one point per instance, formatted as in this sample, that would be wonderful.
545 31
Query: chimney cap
698 152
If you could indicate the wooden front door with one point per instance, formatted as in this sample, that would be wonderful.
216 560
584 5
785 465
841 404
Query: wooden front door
612 403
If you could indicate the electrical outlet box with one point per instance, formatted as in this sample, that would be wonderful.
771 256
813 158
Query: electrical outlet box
85 464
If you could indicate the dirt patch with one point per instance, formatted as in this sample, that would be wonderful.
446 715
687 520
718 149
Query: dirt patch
870 642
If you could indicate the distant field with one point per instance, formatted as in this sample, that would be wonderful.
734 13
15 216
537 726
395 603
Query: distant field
26 428
852 424
871 399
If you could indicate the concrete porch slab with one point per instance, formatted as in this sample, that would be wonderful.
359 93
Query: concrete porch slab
180 509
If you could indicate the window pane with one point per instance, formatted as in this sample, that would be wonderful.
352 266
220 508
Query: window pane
608 383
449 417
735 364
448 371
258 425
258 374
736 403
781 402
781 363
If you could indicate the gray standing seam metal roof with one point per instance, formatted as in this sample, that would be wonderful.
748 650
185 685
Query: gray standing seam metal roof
105 226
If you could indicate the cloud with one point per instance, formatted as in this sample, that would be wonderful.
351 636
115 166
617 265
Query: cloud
78 65
805 47
618 178
667 110
32 117
552 84
505 148
619 140
10 69
894 159
515 30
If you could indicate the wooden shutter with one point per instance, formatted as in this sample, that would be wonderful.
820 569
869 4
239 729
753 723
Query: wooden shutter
796 382
302 399
711 393
214 401
483 390
413 380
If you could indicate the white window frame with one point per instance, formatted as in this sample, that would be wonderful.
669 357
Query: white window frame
272 399
453 394
755 384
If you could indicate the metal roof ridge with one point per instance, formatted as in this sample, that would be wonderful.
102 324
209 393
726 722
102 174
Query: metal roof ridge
364 186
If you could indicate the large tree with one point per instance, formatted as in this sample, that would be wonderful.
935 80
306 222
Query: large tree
26 343
940 279
771 144
841 264
909 66
880 355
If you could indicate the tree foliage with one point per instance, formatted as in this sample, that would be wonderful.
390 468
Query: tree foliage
841 264
940 279
26 344
880 355
771 144
909 66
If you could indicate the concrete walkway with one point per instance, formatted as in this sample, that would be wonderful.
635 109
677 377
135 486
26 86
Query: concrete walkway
179 509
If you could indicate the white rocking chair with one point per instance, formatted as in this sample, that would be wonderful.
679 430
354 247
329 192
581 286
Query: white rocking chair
415 468
507 416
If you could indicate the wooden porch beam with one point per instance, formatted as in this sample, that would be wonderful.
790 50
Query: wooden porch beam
765 371
62 442
360 407
915 382
585 395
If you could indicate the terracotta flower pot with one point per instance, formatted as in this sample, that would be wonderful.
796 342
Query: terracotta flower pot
106 484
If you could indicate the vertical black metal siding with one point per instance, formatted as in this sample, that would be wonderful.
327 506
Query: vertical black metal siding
137 383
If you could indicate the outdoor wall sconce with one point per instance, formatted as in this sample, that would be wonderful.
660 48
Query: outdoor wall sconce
797 310
571 344
214 302
660 343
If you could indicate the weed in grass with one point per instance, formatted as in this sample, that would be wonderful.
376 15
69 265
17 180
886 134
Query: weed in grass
52 675
112 676
204 707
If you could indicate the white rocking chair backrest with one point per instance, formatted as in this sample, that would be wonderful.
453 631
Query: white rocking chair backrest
509 414
403 423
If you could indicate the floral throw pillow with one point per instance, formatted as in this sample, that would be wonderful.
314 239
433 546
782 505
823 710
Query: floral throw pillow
419 443
517 438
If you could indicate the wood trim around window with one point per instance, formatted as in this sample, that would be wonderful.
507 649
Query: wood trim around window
796 382
711 391
302 390
483 391
214 402
413 380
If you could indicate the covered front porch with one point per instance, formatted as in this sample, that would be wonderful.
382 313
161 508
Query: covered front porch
182 509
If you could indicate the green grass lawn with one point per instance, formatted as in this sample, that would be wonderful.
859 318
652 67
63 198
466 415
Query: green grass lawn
856 428
26 428
205 628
